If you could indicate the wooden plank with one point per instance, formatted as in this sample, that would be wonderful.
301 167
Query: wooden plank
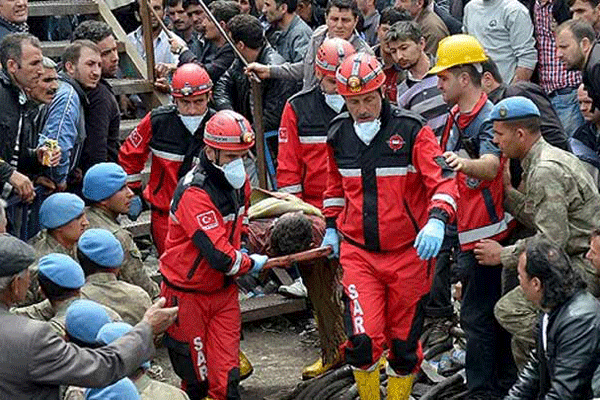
130 86
270 305
62 7
127 125
56 49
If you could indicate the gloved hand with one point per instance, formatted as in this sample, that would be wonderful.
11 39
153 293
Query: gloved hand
135 208
332 239
429 240
259 263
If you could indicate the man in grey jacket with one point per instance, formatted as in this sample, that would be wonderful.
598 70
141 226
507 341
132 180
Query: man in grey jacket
341 17
34 360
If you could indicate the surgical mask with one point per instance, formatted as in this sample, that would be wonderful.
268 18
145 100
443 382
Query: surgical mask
335 101
235 173
366 131
191 122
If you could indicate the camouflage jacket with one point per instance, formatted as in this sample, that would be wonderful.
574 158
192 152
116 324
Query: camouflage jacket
129 301
132 270
560 201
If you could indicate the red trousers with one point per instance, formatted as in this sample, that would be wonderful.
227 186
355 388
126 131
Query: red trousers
387 292
211 325
159 223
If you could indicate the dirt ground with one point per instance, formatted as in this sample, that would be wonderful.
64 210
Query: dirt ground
277 347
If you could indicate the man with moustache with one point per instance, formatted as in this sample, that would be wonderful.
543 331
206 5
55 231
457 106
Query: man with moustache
102 125
13 17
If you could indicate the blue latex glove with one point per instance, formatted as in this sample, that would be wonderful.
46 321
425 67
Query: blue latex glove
135 208
332 239
259 263
429 240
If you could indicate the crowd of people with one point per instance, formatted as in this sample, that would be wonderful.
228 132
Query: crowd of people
430 143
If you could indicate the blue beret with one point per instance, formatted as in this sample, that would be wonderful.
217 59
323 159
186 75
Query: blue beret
103 180
60 209
84 319
62 270
111 332
15 255
102 247
121 390
516 107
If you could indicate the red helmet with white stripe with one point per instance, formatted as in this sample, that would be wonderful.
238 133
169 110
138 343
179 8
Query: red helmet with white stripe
190 80
331 54
228 130
359 74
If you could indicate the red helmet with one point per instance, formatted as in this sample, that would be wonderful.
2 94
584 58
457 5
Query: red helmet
228 130
190 80
359 74
331 54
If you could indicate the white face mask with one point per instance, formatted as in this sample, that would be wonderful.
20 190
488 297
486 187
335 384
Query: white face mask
366 131
235 173
191 122
335 101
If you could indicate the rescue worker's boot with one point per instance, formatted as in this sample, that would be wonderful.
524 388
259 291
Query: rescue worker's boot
318 368
367 382
399 387
246 368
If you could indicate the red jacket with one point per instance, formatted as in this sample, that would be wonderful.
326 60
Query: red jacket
173 149
302 156
205 228
481 212
384 193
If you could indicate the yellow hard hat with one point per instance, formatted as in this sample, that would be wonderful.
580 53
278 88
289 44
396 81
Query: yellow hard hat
458 50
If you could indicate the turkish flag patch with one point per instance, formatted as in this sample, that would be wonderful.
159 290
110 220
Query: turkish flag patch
207 220
135 138
283 135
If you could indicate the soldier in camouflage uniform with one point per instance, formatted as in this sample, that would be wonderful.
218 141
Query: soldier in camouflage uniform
557 198
60 279
148 388
63 220
101 255
104 184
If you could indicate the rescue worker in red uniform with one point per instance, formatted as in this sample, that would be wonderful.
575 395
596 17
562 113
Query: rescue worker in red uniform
173 134
301 168
302 156
478 163
202 257
390 201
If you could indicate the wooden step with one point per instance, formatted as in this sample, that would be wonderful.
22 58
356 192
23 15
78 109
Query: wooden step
270 305
130 86
127 125
47 8
56 49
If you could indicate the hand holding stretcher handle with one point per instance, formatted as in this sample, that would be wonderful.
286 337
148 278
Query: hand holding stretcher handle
286 261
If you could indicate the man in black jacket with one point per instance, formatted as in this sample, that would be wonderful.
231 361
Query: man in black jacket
567 344
232 91
21 59
103 117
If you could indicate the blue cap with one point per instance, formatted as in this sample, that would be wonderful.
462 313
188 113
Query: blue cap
84 319
516 107
103 180
102 247
62 270
60 209
111 332
121 390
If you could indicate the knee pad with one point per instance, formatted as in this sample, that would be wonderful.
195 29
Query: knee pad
359 351
233 383
404 356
